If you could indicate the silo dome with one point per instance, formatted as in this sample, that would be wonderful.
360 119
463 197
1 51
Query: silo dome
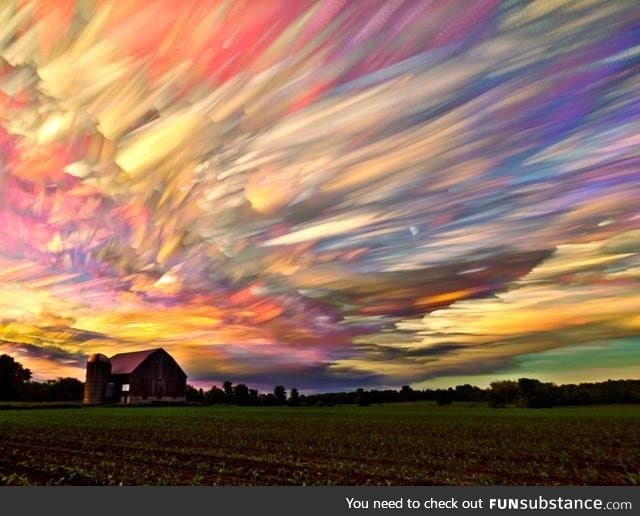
98 372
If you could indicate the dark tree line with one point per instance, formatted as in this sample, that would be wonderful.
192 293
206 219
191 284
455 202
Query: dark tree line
16 385
364 397
240 394
528 392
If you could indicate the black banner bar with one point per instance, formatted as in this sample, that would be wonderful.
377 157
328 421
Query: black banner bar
312 501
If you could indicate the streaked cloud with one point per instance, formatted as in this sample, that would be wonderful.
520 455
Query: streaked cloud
325 193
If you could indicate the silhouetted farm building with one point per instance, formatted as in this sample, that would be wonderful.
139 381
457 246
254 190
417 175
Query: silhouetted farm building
138 377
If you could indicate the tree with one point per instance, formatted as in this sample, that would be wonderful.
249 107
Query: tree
503 393
65 389
468 392
228 391
215 395
535 394
406 393
12 377
34 391
294 398
445 396
281 395
362 398
194 395
241 394
267 399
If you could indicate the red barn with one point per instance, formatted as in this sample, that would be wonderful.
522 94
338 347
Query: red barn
137 377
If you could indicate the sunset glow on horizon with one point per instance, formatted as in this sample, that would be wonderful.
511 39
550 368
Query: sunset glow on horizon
325 195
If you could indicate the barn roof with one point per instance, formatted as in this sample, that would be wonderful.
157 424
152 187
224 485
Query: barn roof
125 363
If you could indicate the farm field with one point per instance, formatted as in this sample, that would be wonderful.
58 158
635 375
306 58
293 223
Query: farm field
398 444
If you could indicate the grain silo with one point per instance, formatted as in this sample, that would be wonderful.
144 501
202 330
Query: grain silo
98 373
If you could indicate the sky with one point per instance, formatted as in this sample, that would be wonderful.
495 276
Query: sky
325 195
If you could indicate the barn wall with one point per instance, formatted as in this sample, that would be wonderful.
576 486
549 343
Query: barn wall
118 380
158 378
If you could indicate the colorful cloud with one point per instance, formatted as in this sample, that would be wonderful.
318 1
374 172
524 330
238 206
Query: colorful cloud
323 194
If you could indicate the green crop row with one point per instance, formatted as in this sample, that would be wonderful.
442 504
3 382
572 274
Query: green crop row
398 444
